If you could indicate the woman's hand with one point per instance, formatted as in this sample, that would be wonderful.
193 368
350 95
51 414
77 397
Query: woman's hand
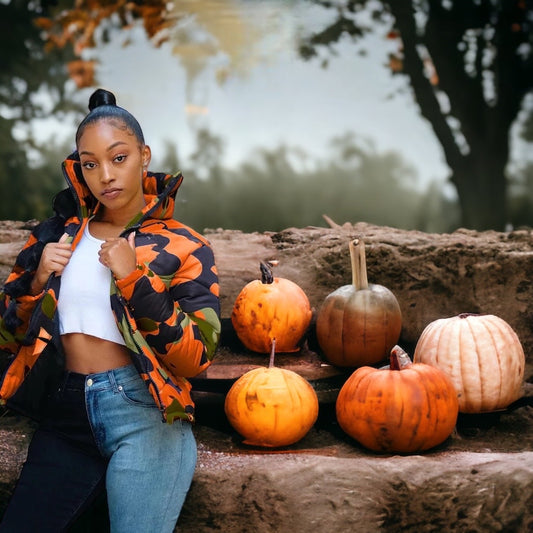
54 259
118 254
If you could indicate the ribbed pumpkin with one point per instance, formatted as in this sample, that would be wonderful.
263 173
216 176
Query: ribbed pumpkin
271 308
271 407
402 409
358 324
481 354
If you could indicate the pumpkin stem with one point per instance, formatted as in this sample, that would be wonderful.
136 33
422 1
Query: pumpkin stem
399 359
272 353
466 315
358 260
266 272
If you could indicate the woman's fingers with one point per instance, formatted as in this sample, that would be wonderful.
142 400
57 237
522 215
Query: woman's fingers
118 255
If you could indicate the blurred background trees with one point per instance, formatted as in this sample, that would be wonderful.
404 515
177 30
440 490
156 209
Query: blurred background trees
469 66
26 72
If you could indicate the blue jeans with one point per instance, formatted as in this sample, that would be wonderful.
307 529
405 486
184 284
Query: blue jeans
104 430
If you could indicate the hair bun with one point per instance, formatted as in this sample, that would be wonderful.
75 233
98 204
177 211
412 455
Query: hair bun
101 97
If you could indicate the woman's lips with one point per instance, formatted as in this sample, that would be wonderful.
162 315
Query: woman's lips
111 194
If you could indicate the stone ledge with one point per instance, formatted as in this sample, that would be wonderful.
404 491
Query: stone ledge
479 480
458 491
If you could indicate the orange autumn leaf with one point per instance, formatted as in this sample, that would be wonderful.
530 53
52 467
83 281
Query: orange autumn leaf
78 25
81 72
395 63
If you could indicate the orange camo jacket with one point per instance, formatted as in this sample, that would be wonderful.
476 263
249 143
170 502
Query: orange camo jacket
167 310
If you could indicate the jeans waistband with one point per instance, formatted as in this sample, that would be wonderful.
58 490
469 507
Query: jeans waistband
76 381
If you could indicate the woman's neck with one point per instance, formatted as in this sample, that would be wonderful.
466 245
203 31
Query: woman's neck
118 218
112 219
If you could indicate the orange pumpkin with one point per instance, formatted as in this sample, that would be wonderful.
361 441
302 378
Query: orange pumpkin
358 324
481 354
271 407
271 308
405 408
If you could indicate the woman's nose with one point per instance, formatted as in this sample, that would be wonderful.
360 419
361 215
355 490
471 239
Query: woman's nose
106 174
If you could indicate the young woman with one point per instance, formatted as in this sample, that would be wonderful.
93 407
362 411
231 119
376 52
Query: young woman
111 305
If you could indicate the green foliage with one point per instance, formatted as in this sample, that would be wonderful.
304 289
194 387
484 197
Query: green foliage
269 192
27 192
521 198
26 74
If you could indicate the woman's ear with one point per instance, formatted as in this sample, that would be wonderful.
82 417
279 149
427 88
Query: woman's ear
146 156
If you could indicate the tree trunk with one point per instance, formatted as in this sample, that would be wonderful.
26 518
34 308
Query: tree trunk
482 187
471 126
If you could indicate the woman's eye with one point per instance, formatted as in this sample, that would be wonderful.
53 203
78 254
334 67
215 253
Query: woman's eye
88 165
120 158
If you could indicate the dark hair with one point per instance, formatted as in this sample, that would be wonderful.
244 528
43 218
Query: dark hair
103 106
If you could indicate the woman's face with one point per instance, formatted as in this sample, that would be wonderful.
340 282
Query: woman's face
112 163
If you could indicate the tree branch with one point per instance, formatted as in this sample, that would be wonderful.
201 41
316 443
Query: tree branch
403 12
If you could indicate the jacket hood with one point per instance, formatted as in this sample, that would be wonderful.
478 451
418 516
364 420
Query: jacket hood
159 190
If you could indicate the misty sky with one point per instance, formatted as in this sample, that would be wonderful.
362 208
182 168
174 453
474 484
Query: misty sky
269 95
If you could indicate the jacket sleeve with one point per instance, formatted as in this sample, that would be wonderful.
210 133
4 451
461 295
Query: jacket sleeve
177 315
16 303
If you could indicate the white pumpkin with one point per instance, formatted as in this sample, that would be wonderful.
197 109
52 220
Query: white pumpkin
481 354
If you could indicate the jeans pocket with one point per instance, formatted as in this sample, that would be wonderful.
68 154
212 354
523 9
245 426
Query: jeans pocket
136 393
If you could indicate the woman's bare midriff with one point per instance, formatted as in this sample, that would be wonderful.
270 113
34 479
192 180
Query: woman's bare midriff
86 354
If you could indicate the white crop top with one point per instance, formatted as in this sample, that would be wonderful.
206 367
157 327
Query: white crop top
83 303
